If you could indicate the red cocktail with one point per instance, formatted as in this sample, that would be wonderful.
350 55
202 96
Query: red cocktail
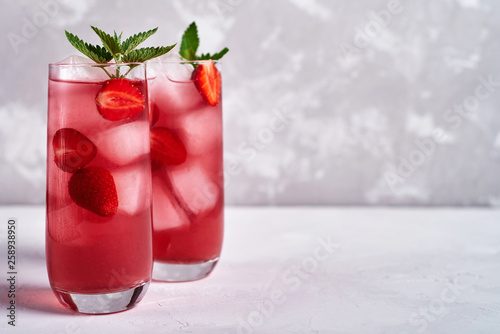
186 160
98 238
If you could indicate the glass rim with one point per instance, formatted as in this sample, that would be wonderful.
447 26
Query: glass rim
92 64
180 61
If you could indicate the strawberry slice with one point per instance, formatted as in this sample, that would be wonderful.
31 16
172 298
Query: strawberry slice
93 188
207 79
119 99
166 148
72 150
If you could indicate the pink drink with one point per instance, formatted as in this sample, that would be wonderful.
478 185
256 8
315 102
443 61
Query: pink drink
188 197
98 240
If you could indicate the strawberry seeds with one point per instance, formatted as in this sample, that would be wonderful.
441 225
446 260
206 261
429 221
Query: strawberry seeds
119 99
207 79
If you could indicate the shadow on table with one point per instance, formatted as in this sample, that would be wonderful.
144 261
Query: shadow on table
39 298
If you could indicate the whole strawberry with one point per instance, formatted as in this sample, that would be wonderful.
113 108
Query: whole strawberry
93 188
166 148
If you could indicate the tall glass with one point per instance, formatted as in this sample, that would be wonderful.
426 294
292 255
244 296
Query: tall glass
186 153
98 227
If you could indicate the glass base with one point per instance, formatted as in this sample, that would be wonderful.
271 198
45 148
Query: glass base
175 272
102 303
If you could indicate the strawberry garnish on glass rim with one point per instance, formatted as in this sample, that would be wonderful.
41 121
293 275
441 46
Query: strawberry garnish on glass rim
119 99
206 76
207 80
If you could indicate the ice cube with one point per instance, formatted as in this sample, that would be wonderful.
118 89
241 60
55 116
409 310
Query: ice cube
72 105
175 97
167 213
173 55
196 188
133 187
62 225
177 71
172 66
201 130
80 70
73 59
124 143
57 189
57 181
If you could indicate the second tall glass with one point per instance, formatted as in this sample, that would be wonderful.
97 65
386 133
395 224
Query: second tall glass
186 159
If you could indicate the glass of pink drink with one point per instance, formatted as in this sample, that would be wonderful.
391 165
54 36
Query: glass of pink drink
186 160
99 230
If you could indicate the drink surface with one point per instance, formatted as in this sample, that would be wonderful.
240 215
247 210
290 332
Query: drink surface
188 198
94 248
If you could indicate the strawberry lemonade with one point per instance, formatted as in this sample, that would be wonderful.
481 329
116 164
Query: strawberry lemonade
98 188
186 161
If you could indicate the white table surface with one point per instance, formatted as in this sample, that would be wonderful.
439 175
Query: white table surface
298 270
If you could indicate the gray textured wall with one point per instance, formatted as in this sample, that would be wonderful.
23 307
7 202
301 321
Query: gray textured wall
325 102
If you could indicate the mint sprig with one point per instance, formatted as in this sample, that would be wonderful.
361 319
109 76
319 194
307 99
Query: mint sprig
94 52
117 38
190 43
109 43
133 41
144 54
114 48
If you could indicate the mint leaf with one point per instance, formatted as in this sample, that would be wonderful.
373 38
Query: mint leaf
96 53
118 38
132 42
220 54
109 43
189 42
143 54
215 56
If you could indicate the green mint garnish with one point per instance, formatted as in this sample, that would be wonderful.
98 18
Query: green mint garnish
189 46
133 41
94 52
121 52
